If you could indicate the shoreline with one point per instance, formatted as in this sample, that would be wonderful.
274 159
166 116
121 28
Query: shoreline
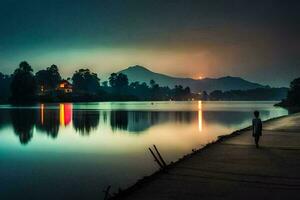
146 179
135 100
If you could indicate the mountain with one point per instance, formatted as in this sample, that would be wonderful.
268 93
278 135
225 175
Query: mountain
142 74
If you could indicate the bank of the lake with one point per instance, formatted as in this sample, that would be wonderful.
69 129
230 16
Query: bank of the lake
232 168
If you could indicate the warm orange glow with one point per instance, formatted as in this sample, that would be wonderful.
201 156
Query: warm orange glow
200 77
42 114
65 114
200 116
62 85
62 114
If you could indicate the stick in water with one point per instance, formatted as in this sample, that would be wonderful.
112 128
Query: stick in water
160 157
155 158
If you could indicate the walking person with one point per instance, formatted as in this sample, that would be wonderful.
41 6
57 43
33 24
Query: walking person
257 128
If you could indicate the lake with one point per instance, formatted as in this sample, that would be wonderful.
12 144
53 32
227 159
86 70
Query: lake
74 151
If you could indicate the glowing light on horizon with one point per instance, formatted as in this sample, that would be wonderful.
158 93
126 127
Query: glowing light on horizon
200 116
200 77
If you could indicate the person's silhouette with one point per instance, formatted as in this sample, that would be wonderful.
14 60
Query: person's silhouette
257 128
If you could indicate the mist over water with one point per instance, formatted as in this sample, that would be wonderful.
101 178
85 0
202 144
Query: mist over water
59 151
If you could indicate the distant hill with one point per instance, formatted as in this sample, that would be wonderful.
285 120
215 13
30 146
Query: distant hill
142 74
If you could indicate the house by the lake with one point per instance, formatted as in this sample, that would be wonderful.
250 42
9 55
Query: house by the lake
65 87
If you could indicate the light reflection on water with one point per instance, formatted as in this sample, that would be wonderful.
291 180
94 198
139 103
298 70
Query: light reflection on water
200 116
105 143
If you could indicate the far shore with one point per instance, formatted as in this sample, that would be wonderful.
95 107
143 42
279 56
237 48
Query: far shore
136 100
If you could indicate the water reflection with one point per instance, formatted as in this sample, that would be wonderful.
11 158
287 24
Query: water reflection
105 143
84 121
200 116
119 120
4 118
50 119
23 122
65 114
231 118
139 121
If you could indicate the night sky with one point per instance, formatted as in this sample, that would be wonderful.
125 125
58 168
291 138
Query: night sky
257 40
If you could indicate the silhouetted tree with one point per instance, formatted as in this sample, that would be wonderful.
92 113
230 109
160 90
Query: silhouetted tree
86 87
119 83
23 85
141 90
49 78
85 81
181 93
118 80
155 90
152 83
216 95
204 96
293 97
134 85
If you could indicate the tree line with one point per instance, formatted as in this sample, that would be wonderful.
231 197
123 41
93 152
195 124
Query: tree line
257 94
292 100
23 86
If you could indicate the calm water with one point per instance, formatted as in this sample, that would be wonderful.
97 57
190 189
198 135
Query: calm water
60 151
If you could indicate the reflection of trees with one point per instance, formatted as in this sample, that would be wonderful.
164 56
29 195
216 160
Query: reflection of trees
48 121
4 118
119 120
185 117
139 121
85 120
136 121
23 121
230 118
104 116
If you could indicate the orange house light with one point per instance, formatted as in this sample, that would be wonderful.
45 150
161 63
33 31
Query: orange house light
62 85
65 114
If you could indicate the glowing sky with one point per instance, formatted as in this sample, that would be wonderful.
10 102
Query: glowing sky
257 40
